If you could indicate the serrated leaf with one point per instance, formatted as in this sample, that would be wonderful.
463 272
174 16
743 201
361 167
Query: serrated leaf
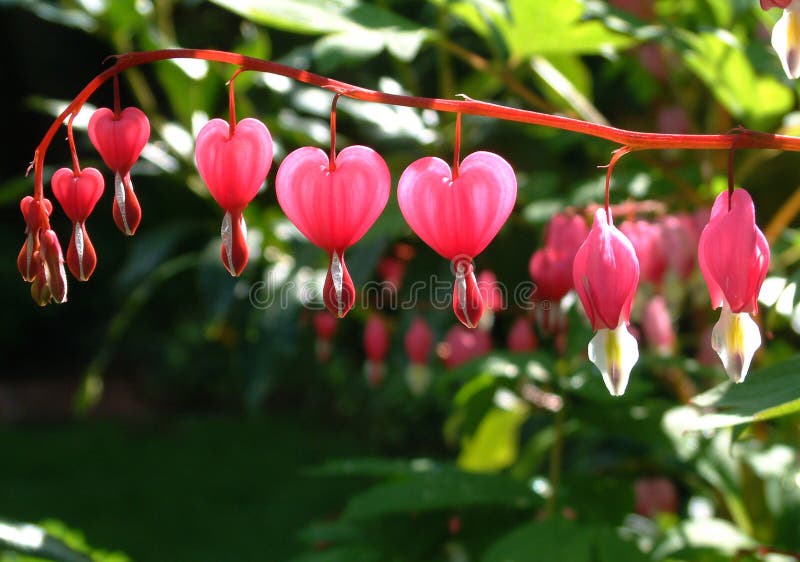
444 489
767 393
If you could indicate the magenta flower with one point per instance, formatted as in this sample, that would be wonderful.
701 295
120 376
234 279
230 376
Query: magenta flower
334 203
606 274
418 343
458 214
521 337
376 348
233 159
734 258
120 138
551 267
657 326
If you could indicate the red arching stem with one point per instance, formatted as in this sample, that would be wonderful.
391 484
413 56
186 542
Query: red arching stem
332 157
232 103
76 166
457 146
633 139
117 109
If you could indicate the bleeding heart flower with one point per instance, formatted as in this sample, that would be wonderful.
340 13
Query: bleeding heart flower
461 345
648 243
78 193
120 139
334 204
234 162
459 216
606 274
51 280
521 337
551 267
376 347
35 213
734 258
418 341
325 327
657 326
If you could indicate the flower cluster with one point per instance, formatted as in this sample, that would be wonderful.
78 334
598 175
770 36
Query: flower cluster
606 265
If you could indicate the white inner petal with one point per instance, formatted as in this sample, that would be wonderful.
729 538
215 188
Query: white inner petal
119 198
337 274
79 247
461 288
226 233
614 352
735 338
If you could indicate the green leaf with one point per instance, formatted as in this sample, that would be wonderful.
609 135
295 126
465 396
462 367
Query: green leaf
768 393
354 31
556 26
442 489
495 444
718 60
543 541
298 16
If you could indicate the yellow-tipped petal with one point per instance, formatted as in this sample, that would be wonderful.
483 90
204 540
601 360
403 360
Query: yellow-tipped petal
786 42
614 352
735 338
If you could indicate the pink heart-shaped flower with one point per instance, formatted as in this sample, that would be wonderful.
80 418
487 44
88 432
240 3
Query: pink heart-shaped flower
77 193
333 208
234 166
119 140
333 205
457 217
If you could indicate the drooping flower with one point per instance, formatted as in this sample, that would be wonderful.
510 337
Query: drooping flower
233 160
734 258
648 242
786 35
376 347
334 204
78 193
521 337
458 215
550 267
606 274
657 326
418 342
120 138
460 345
325 328
35 213
655 495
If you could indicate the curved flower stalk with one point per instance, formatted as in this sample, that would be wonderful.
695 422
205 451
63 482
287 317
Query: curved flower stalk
734 258
606 275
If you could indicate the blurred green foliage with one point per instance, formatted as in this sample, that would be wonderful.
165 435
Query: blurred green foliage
513 479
